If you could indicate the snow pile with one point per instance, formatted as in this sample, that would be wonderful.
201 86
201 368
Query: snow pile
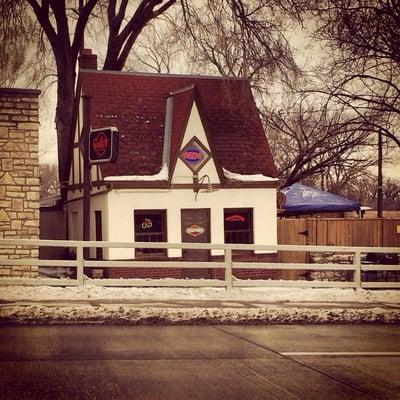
160 176
118 314
110 305
89 292
247 178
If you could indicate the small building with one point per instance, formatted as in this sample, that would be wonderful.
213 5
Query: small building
193 165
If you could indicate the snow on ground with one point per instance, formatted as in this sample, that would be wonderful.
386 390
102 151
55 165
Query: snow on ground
101 305
88 292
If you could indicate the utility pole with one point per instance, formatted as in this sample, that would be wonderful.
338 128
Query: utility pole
379 206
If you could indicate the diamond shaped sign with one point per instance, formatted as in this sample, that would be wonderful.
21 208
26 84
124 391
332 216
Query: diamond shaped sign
194 155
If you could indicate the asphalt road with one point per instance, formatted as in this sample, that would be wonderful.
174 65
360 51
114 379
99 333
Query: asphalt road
200 362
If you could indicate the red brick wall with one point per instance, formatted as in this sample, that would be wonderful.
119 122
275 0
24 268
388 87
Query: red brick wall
215 273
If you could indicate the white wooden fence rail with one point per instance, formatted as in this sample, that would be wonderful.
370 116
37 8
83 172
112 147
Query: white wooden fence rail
228 265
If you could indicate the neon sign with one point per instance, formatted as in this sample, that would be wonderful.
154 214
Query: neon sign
100 144
235 218
103 145
192 155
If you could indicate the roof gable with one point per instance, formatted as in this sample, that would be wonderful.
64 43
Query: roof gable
136 105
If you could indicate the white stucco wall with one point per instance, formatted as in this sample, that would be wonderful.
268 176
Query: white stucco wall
123 203
75 223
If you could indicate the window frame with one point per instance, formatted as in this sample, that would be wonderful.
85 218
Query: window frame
151 253
240 210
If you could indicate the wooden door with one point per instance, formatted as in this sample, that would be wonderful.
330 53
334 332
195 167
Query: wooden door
195 225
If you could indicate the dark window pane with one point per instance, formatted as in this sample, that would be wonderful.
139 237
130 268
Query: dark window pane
149 227
238 226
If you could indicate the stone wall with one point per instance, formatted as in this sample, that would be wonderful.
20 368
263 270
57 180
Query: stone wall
19 176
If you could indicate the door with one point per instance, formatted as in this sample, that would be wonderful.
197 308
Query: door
99 233
195 225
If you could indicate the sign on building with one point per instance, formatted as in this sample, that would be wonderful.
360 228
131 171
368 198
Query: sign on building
103 145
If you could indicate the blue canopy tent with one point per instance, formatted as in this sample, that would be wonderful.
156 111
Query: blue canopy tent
301 199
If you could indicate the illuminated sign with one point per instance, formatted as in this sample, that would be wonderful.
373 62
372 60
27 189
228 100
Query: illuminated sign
103 145
194 155
195 230
235 217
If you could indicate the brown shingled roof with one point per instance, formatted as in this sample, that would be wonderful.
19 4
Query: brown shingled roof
136 104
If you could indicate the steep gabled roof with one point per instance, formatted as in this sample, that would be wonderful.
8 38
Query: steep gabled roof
136 104
182 102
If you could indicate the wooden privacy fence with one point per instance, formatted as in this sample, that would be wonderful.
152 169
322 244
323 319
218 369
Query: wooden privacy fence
379 232
228 265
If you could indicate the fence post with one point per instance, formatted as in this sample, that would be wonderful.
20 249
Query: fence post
357 268
79 264
228 268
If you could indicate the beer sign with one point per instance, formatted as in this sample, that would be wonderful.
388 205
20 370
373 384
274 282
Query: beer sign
103 145
194 155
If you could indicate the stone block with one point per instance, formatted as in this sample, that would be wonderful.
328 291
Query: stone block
5 271
31 222
25 215
4 216
18 118
6 179
3 132
32 196
17 205
18 136
16 225
29 99
7 164
2 192
5 203
33 232
21 154
32 181
16 195
34 254
28 126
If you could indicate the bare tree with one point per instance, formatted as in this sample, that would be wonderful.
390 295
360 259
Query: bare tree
62 25
49 184
364 40
310 140
240 39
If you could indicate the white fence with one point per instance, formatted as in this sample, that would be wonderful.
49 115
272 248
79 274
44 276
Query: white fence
228 265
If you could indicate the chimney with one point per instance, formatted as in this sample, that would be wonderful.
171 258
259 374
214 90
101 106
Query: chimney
87 60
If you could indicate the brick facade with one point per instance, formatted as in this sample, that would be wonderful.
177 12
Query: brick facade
213 273
19 176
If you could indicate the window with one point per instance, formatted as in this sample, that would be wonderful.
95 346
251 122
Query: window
238 225
150 226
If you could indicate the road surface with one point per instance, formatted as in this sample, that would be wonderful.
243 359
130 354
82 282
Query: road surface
200 362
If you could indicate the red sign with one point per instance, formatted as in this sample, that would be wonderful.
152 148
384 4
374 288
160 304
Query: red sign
235 217
192 155
103 145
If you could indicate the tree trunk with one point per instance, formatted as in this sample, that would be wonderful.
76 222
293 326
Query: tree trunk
64 114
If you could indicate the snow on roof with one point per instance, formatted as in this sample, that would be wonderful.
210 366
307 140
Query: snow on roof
248 178
160 176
